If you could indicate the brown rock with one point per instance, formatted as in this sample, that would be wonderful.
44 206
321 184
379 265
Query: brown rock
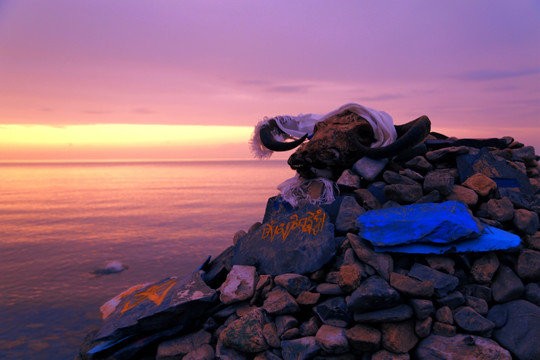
387 355
460 347
419 164
526 221
500 209
402 193
533 241
441 263
463 194
332 339
350 277
411 287
246 334
528 266
308 298
205 352
366 199
349 179
280 302
444 315
182 345
443 329
481 184
479 305
363 338
506 285
382 263
439 180
422 328
484 268
270 335
399 337
310 327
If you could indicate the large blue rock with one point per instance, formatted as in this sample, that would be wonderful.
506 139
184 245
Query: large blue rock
419 223
290 241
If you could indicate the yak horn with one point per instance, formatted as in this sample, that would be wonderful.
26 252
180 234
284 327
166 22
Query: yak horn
268 139
409 134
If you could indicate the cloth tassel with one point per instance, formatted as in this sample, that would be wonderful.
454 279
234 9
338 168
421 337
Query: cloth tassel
296 190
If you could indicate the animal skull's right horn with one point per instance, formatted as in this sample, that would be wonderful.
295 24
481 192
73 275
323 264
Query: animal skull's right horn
268 133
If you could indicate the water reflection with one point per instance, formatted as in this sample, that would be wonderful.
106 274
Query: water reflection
62 221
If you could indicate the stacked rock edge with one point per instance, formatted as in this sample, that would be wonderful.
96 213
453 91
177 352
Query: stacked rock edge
369 305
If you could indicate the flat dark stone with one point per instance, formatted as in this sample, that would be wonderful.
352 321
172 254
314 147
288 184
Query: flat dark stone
471 321
484 162
442 283
372 294
159 306
395 314
334 312
521 330
298 241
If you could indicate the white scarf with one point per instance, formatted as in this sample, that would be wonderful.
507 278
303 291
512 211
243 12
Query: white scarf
297 126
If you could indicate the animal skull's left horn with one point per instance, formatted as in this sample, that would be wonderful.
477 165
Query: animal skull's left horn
268 133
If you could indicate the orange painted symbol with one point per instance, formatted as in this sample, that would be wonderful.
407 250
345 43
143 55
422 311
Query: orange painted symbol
155 293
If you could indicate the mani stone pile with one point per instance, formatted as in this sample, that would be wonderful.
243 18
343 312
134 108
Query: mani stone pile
306 284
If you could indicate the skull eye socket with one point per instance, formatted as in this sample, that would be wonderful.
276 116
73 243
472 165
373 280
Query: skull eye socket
334 152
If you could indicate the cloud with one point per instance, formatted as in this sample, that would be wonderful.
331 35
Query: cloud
490 74
288 88
381 97
143 111
96 112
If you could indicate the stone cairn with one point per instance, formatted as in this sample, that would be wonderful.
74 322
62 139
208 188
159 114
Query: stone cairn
363 304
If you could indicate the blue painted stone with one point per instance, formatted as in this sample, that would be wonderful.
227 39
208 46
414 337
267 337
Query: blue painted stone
291 241
427 223
491 239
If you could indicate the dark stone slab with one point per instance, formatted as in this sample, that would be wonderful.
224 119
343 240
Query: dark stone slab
521 199
363 338
471 321
246 333
422 308
442 283
506 285
395 314
159 306
334 312
528 266
460 347
440 180
372 294
521 331
452 300
403 193
299 349
293 283
298 241
349 211
411 287
280 302
484 162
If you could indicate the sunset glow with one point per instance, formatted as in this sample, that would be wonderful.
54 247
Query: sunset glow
133 76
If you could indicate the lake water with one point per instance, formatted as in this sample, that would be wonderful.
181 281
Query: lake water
61 221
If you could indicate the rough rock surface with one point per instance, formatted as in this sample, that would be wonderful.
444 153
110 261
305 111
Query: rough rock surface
324 292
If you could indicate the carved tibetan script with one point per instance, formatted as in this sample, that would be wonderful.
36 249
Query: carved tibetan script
312 224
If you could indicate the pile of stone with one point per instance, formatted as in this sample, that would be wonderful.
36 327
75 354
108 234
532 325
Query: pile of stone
304 284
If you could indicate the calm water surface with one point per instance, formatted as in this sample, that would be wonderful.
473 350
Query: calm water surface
61 221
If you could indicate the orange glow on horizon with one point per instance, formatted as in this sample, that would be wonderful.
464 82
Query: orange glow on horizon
122 141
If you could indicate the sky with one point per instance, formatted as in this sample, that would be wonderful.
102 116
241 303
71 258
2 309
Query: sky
133 79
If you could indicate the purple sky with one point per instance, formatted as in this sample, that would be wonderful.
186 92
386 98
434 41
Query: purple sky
472 66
